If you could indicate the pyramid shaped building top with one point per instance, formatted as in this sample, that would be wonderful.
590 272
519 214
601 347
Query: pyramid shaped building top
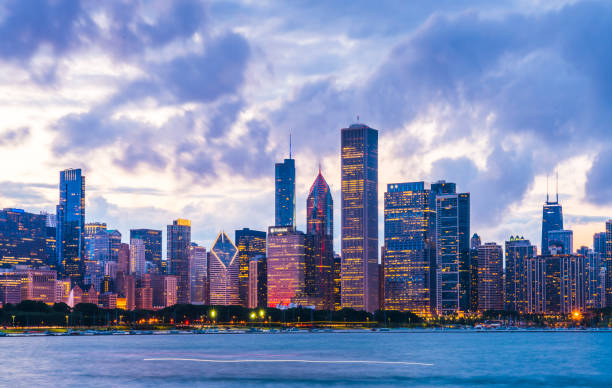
224 249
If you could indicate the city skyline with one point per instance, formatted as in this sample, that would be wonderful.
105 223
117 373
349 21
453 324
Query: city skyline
70 99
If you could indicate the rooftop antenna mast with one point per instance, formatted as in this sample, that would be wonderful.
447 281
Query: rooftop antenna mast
289 144
546 188
557 186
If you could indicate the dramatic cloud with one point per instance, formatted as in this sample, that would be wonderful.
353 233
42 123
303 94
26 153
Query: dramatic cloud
200 98
12 137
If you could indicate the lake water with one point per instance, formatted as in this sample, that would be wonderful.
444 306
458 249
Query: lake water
555 359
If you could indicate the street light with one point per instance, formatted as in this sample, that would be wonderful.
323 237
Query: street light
213 314
66 320
13 321
262 315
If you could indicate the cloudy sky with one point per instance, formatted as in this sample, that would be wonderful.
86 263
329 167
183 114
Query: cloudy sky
180 109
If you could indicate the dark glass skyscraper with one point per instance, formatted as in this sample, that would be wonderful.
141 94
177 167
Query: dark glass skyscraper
359 174
452 249
179 241
409 247
152 240
320 224
71 224
284 195
23 238
552 219
599 243
251 244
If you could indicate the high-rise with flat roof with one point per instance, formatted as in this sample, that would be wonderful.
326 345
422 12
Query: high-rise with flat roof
71 224
490 277
561 242
608 264
359 229
409 247
152 240
452 280
289 254
518 251
179 241
23 238
251 244
285 193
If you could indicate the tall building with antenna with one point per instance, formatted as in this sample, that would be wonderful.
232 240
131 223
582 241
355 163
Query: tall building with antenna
552 217
284 193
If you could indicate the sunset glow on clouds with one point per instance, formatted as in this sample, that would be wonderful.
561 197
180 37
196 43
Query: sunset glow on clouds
180 109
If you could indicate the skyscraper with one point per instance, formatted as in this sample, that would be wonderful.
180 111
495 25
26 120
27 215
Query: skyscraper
518 251
71 224
452 279
198 266
359 174
560 242
289 253
23 238
258 282
608 263
152 240
490 277
599 242
320 224
285 193
409 247
224 269
552 219
251 244
137 257
179 240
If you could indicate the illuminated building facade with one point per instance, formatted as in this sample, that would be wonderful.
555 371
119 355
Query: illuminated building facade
152 240
337 282
608 263
284 197
251 244
490 277
38 284
409 247
164 290
452 280
289 252
594 290
198 266
179 241
359 229
258 282
137 257
560 242
552 219
224 268
320 225
10 287
23 238
71 224
518 252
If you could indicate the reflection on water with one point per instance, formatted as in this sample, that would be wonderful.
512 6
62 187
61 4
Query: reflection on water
317 359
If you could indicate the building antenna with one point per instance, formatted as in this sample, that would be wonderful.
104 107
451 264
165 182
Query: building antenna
546 188
557 186
289 144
